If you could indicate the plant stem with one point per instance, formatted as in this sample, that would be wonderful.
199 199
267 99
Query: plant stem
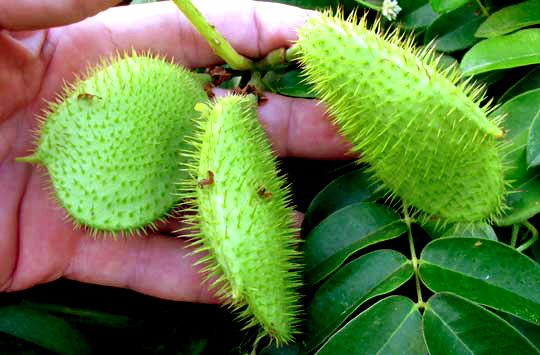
218 43
533 239
515 232
407 219
256 81
483 8
273 60
279 58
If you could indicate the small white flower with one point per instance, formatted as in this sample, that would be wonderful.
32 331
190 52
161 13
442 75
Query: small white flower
390 9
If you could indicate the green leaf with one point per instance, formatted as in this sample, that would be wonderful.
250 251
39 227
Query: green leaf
510 19
371 4
84 315
442 6
418 18
489 78
355 186
43 329
478 230
411 5
454 325
391 326
535 251
446 61
529 330
518 114
513 50
529 82
454 31
485 271
373 274
344 232
289 83
523 202
533 145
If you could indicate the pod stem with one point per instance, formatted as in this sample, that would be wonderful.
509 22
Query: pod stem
515 232
218 43
279 58
408 221
532 240
482 8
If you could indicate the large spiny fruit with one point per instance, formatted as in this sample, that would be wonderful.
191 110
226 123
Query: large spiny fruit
243 217
112 143
424 133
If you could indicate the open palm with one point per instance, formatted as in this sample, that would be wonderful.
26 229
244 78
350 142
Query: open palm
36 244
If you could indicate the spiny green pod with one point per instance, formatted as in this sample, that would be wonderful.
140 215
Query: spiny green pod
243 218
112 143
422 131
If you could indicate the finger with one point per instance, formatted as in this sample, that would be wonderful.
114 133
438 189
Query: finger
49 248
155 265
35 14
301 128
258 27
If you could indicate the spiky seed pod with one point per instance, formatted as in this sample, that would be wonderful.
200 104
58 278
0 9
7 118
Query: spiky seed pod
112 143
244 221
423 132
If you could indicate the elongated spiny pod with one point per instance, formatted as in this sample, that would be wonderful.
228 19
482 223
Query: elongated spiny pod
421 130
243 217
112 142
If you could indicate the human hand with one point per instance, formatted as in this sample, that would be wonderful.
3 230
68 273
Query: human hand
36 244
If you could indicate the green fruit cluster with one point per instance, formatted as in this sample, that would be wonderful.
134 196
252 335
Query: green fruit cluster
422 131
114 146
